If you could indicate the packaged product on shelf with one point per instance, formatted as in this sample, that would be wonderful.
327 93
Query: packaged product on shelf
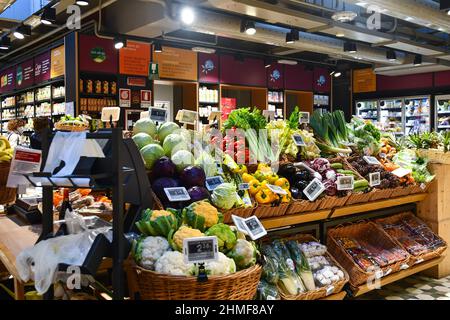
113 87
89 86
105 87
98 87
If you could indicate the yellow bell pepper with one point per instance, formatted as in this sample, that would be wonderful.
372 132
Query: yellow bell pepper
272 178
255 186
247 177
264 185
286 198
283 183
259 175
240 169
263 197
263 166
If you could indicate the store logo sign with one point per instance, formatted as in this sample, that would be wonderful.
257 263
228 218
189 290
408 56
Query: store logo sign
19 75
275 75
321 81
4 81
74 19
208 66
374 20
98 54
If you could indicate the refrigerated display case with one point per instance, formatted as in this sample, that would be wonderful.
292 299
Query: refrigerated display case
392 116
442 112
417 114
367 110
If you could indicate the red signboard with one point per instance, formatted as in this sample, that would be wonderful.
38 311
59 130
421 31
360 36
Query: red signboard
322 80
25 74
275 76
442 79
298 78
413 81
208 68
97 55
22 155
42 68
7 80
250 72
136 82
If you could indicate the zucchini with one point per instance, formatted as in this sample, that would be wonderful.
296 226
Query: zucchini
337 165
346 172
363 183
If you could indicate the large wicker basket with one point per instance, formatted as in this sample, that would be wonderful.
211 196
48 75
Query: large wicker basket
415 259
370 232
241 285
319 293
301 206
402 191
333 202
380 194
7 195
240 212
268 211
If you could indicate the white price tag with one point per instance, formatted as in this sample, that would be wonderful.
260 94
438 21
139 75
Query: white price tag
177 194
303 117
374 179
276 189
24 161
419 261
298 140
187 117
388 271
200 249
244 186
314 189
213 182
158 114
404 266
330 290
254 227
379 274
423 186
345 183
239 223
110 114
372 160
401 172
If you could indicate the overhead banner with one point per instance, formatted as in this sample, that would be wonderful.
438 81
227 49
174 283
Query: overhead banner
134 59
177 63
58 64
364 80
42 68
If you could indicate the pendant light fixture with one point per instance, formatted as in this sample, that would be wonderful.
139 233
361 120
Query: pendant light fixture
418 60
5 43
158 47
48 16
292 36
82 3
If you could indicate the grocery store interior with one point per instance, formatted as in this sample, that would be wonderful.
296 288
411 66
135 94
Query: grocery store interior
224 150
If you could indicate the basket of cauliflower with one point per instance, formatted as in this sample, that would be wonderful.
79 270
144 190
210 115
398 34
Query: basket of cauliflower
160 273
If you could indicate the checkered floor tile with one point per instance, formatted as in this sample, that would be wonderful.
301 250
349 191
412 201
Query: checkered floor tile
412 288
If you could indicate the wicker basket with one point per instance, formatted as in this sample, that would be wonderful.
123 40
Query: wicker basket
63 127
359 197
319 292
415 259
240 212
301 206
435 155
401 191
241 285
380 194
268 211
333 202
420 188
7 195
368 231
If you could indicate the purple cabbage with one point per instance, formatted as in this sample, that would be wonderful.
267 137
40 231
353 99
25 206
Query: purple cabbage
320 165
330 188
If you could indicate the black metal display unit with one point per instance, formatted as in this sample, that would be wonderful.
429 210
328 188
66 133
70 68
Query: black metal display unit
122 171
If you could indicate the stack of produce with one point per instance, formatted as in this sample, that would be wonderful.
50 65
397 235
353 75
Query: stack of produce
388 180
70 123
298 271
409 159
365 136
163 231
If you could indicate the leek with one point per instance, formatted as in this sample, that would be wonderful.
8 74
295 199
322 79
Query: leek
301 265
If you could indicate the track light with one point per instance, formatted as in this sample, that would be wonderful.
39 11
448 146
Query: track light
337 74
82 3
448 12
267 63
248 27
119 43
292 36
22 31
350 47
418 60
5 43
391 55
48 16
187 15
158 47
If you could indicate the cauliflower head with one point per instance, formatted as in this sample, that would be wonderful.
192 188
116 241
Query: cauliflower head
222 267
146 251
201 215
161 213
226 238
244 254
184 232
172 262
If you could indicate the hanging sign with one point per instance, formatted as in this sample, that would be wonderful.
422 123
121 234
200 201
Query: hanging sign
134 58
124 98
58 62
175 63
153 71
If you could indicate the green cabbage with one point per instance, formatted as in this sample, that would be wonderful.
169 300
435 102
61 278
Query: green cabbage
207 162
225 196
226 239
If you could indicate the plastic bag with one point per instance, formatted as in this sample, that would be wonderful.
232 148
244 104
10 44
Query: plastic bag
267 291
74 222
40 262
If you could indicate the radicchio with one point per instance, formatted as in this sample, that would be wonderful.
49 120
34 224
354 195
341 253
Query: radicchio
330 188
320 165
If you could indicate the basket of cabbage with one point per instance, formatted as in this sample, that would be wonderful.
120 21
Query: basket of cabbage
159 271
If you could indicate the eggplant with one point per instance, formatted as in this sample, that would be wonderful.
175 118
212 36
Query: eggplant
193 176
303 175
198 193
296 194
287 170
301 185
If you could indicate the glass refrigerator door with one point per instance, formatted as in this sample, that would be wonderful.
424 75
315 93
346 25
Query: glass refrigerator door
442 113
367 110
417 115
391 116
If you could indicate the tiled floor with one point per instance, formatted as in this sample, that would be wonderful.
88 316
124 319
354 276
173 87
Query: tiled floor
412 288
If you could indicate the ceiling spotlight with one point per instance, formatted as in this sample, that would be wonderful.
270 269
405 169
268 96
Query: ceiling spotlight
267 63
292 36
409 18
340 34
187 15
448 12
337 74
350 47
204 50
48 16
248 27
82 3
119 43
22 31
418 60
289 62
391 55
5 43
344 16
158 47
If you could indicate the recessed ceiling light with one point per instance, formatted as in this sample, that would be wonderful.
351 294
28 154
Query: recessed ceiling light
361 4
187 15
337 74
119 43
248 27
344 16
340 34
22 31
82 3
289 62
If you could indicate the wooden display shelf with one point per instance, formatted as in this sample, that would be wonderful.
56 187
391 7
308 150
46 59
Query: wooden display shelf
293 219
376 205
337 296
399 275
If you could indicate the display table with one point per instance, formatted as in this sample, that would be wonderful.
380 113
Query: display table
15 237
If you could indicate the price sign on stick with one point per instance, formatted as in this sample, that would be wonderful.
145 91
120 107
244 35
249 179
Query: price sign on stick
187 117
158 114
303 117
110 114
254 227
200 249
345 183
374 179
298 140
371 160
239 223
314 189
213 182
177 194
